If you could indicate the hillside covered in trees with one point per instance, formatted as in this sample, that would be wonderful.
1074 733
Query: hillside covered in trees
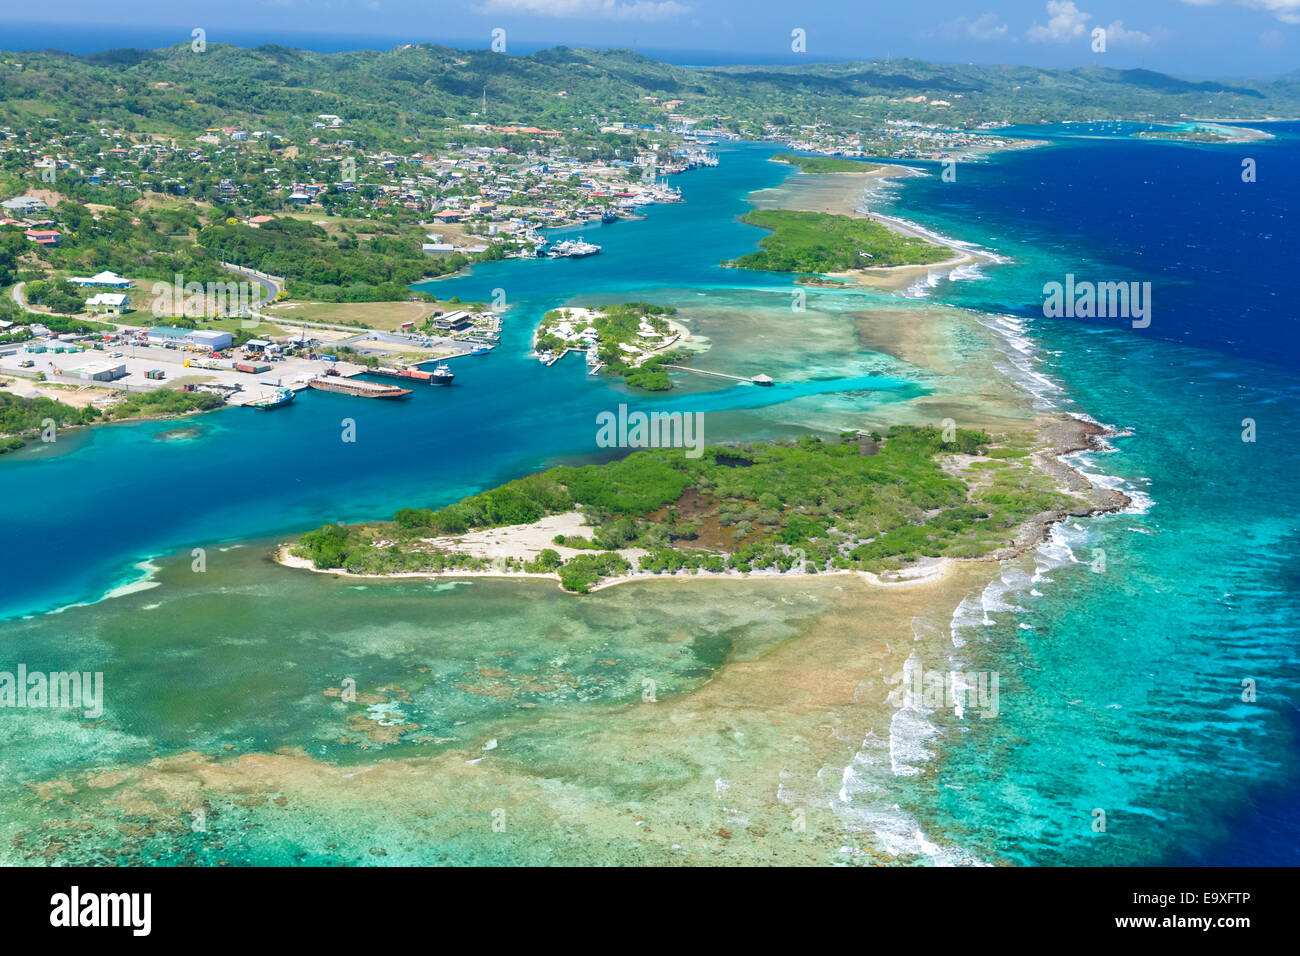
414 93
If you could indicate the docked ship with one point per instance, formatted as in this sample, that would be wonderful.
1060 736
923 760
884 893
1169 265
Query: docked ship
571 249
281 396
608 216
441 375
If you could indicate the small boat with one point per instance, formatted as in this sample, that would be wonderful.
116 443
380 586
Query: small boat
762 380
480 350
442 375
281 396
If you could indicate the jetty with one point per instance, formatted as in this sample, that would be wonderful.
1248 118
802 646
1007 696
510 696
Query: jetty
759 379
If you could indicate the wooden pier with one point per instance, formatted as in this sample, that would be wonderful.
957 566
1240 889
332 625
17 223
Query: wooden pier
753 379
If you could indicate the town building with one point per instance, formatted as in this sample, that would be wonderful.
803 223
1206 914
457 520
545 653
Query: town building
179 338
106 280
24 205
110 303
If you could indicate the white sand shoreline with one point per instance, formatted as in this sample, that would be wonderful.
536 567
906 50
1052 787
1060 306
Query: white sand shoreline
933 569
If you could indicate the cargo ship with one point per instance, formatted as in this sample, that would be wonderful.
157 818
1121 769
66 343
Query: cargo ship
441 375
347 386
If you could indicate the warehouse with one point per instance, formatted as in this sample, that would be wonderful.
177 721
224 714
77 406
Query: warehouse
179 338
99 371
210 339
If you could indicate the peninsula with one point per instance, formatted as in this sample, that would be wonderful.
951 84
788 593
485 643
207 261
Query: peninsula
865 503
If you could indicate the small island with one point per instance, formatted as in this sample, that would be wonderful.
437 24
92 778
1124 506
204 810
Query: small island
1203 132
866 503
632 340
828 243
827 164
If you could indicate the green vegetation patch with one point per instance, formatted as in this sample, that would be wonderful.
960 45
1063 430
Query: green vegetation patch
21 418
164 401
823 242
826 164
818 505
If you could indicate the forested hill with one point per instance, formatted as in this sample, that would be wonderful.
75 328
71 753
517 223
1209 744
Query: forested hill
401 95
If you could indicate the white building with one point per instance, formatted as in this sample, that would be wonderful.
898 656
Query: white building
210 339
113 303
99 371
108 280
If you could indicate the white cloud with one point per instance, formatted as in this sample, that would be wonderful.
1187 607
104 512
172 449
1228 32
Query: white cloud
987 27
984 27
646 10
1288 11
1066 23
1117 35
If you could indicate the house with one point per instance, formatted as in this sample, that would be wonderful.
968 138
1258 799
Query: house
438 248
108 280
111 303
448 215
44 237
24 205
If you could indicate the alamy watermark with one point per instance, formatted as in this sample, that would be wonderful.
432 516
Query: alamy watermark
199 299
651 430
71 690
958 691
1101 300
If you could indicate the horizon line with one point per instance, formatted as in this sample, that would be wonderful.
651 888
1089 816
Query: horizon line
734 58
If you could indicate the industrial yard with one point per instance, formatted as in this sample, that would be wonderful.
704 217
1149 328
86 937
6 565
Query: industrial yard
242 376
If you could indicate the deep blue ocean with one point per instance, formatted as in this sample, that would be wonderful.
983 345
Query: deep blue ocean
1122 690
1201 589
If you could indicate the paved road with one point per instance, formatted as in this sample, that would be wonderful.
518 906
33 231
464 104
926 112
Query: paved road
271 284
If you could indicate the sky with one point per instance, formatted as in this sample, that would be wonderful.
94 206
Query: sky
1224 38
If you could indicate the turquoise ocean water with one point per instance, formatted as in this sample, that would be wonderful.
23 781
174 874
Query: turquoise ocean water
1121 690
